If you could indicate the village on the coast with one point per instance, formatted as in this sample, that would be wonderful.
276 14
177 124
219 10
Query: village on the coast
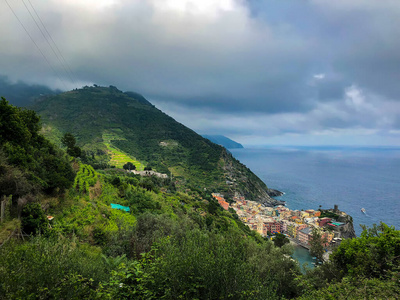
297 225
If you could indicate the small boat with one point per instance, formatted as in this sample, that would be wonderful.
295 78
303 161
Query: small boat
363 210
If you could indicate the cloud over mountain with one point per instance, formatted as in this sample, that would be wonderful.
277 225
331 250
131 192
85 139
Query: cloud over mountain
263 70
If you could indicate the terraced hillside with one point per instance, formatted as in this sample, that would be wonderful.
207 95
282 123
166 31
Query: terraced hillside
118 157
120 126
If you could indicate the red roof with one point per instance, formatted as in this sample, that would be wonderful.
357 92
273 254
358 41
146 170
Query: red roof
224 204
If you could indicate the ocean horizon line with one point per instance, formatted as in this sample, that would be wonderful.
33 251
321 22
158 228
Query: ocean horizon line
323 147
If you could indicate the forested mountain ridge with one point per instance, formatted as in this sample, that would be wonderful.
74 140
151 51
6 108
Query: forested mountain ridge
129 123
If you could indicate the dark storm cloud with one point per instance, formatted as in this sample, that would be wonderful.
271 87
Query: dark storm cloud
331 90
201 59
302 66
367 48
356 39
271 96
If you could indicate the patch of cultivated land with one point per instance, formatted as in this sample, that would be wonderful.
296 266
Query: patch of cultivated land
118 157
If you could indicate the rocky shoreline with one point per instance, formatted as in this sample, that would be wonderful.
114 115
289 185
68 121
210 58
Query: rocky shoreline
274 193
270 202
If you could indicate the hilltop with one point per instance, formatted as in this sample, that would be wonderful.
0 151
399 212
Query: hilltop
114 127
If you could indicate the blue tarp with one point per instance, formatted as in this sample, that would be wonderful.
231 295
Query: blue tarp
117 206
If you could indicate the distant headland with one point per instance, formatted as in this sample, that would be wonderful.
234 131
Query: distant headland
223 141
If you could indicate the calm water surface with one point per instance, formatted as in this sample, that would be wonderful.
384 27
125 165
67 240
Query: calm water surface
303 257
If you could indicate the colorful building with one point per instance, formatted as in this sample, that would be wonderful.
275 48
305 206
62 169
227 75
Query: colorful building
291 229
272 226
304 235
323 221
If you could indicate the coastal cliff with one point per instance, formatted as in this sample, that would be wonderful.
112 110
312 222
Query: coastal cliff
274 193
345 228
241 180
347 231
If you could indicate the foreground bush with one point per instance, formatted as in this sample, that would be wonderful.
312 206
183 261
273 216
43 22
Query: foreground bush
49 269
205 265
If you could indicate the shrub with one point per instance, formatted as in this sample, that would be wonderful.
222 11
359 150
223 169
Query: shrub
33 219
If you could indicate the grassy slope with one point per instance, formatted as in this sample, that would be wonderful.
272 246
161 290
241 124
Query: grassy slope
118 157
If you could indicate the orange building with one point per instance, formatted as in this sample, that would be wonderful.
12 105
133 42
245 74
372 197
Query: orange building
223 203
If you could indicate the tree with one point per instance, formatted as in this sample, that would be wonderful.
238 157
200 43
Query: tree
280 240
317 245
31 156
69 141
375 254
75 151
17 126
213 206
33 219
129 166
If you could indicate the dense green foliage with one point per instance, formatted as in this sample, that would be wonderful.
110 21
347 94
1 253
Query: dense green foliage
28 153
317 245
172 245
328 214
280 240
69 141
33 219
364 267
55 268
172 251
129 166
206 265
376 254
354 289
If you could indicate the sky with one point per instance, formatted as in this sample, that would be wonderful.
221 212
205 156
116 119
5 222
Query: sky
262 72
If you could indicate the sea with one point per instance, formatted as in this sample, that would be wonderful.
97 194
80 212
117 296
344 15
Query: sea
314 177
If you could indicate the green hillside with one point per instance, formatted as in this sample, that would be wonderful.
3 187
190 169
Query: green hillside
116 127
68 231
62 238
